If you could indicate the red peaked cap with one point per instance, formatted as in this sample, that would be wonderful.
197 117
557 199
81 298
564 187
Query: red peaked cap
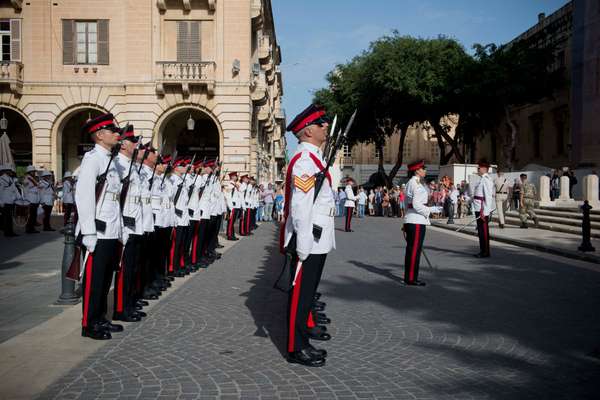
104 121
127 133
210 164
148 147
166 158
182 162
416 165
244 176
483 164
198 164
232 174
305 118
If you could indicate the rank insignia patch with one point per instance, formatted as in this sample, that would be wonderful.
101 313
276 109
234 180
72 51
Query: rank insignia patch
304 182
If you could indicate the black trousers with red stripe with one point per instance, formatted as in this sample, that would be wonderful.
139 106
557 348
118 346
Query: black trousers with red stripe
349 212
301 299
483 231
96 281
243 217
178 259
233 216
125 279
162 246
415 234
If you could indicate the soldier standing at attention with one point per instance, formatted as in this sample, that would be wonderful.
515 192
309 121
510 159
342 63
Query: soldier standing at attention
68 196
528 196
349 203
483 198
311 221
415 222
234 204
100 224
31 193
501 184
47 197
8 196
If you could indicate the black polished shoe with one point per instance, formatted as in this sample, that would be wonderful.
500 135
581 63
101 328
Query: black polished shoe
323 321
127 318
318 308
233 239
322 336
317 296
141 302
415 283
96 333
304 357
140 314
170 278
107 325
220 246
319 304
178 274
482 255
321 353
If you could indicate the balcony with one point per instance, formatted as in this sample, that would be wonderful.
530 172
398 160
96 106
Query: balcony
256 14
185 4
11 73
259 93
264 50
185 74
280 114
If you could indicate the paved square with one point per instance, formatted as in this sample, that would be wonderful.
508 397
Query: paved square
519 325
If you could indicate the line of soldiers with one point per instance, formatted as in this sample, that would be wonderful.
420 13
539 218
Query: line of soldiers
145 219
37 189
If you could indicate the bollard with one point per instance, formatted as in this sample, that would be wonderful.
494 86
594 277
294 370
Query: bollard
450 214
67 295
586 228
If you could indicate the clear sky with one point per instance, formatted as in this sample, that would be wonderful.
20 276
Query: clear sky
316 35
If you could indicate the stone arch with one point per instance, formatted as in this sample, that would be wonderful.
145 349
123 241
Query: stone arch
26 124
56 134
180 109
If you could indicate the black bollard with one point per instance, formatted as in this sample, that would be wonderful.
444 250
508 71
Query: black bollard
67 295
450 214
586 228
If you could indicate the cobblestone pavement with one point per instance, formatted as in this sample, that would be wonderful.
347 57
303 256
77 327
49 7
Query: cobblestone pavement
521 325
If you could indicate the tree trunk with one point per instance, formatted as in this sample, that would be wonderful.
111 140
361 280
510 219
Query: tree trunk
403 130
441 133
511 141
380 168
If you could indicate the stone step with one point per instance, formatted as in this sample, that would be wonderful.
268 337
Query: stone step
566 214
510 220
569 209
557 219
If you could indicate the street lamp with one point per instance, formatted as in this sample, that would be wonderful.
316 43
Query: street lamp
190 123
3 122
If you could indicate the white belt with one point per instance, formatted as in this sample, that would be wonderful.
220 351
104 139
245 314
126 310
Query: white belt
146 200
111 196
324 210
136 200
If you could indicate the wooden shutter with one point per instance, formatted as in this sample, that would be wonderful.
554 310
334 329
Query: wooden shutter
68 41
103 48
15 40
182 41
194 49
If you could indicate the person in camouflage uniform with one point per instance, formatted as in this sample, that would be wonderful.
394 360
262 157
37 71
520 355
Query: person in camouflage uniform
528 195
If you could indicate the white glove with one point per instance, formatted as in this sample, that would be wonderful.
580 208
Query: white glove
302 256
89 241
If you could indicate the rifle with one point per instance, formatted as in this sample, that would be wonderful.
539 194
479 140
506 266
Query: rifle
208 178
169 167
74 271
180 186
330 137
145 153
127 180
193 185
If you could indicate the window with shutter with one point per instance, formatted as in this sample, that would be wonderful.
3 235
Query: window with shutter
182 40
103 49
15 39
68 44
188 41
5 39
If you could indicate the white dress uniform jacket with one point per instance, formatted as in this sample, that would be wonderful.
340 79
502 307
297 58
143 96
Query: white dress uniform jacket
46 193
181 211
162 203
146 191
305 213
133 202
206 196
236 196
8 190
107 210
31 190
483 196
416 198
350 197
68 195
194 201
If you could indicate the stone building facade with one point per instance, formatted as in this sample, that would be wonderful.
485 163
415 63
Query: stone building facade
199 76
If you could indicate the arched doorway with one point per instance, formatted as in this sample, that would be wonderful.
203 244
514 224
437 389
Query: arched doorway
200 136
19 133
72 143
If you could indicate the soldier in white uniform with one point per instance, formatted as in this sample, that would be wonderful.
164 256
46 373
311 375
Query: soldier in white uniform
47 197
99 224
416 220
31 194
349 204
195 213
164 217
177 264
68 198
501 184
483 201
8 196
234 204
311 222
243 189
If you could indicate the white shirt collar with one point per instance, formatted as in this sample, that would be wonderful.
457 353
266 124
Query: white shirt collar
311 147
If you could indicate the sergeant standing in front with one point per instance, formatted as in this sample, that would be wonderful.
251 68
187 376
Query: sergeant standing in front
311 221
31 193
99 223
483 199
416 220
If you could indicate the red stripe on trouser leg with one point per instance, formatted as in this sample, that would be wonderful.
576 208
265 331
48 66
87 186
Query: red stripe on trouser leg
230 224
311 322
120 289
413 258
293 310
195 243
485 234
172 254
248 220
88 288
